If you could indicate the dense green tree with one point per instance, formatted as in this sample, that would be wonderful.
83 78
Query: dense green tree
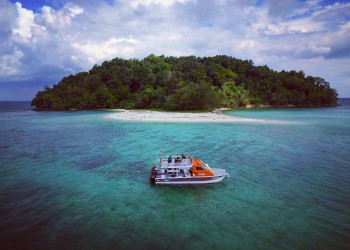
184 83
234 96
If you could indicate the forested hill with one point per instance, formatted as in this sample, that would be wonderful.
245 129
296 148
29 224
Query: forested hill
184 83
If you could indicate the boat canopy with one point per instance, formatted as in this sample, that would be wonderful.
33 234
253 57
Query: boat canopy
200 169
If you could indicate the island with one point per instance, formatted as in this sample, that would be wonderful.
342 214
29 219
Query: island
184 83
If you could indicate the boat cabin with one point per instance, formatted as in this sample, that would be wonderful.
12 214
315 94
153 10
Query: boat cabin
201 169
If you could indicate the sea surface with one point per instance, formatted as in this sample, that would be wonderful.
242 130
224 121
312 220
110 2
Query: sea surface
76 180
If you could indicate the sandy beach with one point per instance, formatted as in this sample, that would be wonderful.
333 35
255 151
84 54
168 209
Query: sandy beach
181 117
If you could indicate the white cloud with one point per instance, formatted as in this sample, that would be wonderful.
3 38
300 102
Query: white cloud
247 44
9 63
60 19
25 22
74 10
113 47
73 38
164 3
294 26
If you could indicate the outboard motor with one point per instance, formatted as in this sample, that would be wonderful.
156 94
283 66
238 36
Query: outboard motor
152 178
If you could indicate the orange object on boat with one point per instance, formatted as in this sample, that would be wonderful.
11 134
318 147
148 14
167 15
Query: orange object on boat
200 169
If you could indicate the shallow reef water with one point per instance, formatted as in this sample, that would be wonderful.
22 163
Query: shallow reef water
76 180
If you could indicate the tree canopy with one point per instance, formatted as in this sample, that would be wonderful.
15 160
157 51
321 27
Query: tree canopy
184 83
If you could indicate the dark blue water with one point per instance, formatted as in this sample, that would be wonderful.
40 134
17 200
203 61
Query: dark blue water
73 180
345 102
15 106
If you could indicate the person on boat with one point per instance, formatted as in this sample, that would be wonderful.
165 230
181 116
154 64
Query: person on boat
183 156
169 159
154 169
177 160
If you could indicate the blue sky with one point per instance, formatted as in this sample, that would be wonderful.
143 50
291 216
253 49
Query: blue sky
44 40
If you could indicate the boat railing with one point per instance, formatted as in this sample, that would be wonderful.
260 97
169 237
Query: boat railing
183 163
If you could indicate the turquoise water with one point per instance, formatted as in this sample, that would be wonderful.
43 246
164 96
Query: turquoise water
76 180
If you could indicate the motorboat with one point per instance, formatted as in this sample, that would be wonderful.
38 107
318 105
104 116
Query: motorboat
179 170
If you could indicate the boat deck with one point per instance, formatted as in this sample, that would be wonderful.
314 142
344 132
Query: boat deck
184 163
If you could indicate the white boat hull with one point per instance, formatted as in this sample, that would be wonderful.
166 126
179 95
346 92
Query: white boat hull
188 180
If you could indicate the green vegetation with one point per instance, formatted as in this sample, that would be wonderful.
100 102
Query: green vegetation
184 83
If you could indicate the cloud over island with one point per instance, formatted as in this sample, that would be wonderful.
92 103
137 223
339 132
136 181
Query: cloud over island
43 41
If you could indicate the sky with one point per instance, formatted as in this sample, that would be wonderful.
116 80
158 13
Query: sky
42 41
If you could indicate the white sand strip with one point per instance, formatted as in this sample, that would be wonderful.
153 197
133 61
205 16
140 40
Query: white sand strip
177 117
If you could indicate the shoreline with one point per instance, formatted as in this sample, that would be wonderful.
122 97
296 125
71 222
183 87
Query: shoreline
183 117
247 107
